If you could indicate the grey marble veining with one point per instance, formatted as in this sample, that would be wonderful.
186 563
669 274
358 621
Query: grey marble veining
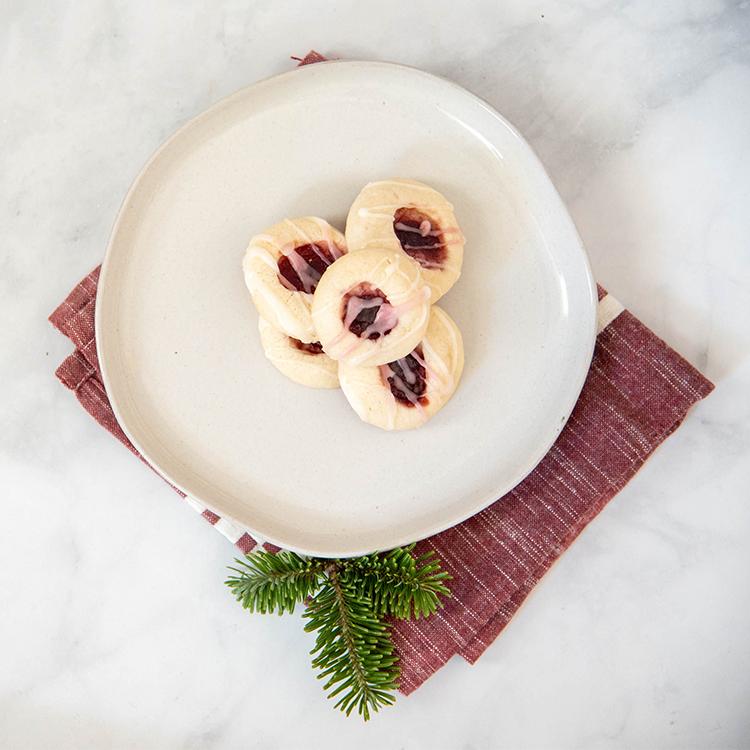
116 629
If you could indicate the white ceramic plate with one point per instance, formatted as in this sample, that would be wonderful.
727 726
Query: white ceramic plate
177 332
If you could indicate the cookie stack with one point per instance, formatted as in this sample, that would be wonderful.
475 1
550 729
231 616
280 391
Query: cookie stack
358 310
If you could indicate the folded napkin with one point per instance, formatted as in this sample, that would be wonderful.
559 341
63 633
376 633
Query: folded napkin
636 394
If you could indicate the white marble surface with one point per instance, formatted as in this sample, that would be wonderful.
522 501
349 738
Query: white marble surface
116 628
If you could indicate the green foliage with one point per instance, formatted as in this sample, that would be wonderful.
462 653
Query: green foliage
397 583
274 583
353 648
347 603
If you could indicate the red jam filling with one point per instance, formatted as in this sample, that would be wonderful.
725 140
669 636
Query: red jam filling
301 268
407 379
367 312
313 348
421 238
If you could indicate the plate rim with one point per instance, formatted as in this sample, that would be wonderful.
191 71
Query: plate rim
101 346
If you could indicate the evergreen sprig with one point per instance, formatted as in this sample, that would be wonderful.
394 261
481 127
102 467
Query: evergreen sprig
348 601
399 584
266 582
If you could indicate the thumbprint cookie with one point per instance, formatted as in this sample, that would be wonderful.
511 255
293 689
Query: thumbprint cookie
306 364
406 392
415 219
282 268
371 307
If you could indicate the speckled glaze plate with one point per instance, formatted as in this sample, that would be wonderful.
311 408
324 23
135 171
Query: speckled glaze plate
177 332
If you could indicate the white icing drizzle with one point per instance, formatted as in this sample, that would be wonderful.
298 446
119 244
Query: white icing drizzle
283 308
390 235
405 382
384 210
325 230
255 251
424 229
442 373
414 296
414 300
438 376
318 250
308 276
378 242
269 238
287 284
363 213
298 229
385 317
284 316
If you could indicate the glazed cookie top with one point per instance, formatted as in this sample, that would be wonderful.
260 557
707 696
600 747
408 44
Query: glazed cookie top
405 393
283 266
414 218
371 307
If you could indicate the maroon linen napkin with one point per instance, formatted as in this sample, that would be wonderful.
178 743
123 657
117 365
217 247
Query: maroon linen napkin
637 393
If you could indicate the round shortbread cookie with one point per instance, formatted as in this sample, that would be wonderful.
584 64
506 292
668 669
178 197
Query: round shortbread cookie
303 363
282 268
415 219
371 307
404 394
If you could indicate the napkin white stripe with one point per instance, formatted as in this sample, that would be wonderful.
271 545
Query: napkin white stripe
230 529
607 310
226 526
194 504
